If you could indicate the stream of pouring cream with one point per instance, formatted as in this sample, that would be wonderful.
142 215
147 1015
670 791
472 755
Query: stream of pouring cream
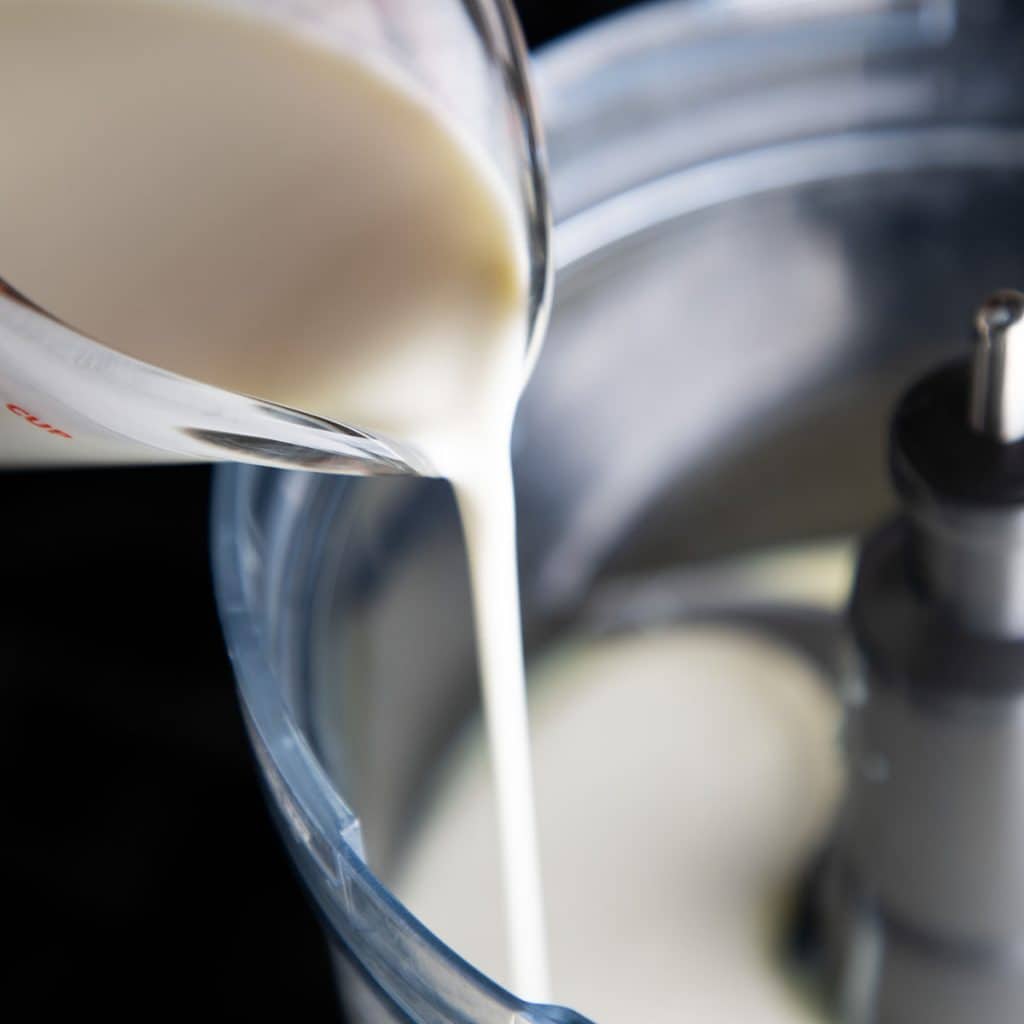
226 199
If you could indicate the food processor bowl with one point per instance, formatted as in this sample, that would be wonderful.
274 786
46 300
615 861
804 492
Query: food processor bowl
769 217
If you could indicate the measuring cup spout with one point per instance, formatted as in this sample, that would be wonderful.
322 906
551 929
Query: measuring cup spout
68 400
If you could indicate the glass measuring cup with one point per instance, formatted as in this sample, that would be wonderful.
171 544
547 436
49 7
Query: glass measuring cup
66 398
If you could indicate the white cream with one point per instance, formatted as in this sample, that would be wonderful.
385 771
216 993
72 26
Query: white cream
685 778
228 200
220 197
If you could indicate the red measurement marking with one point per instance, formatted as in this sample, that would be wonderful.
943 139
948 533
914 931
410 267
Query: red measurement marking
36 421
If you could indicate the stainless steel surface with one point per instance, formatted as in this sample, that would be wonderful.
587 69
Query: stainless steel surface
929 864
928 871
997 368
972 560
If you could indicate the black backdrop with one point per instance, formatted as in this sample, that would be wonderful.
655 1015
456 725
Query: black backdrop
140 873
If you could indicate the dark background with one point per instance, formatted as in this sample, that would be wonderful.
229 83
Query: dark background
140 873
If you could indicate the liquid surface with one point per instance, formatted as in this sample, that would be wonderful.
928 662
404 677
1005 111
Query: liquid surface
686 777
232 202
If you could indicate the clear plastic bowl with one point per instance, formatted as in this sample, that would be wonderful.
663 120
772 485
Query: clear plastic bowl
769 217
